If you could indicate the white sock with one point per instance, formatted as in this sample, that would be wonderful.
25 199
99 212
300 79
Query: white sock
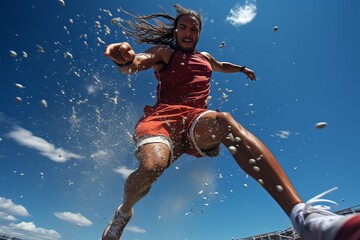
124 215
296 216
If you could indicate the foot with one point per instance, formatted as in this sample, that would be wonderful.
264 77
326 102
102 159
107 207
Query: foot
115 228
318 223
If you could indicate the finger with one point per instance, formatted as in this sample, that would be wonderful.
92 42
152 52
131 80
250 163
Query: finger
125 46
123 49
119 59
126 55
108 50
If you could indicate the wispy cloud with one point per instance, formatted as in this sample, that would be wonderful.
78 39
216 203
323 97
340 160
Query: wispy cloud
100 157
26 138
7 206
124 171
241 15
28 230
200 181
75 218
135 229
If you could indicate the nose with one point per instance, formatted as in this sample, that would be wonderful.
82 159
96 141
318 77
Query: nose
187 33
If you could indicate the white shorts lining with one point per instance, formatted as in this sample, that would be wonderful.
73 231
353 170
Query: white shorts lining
156 139
192 132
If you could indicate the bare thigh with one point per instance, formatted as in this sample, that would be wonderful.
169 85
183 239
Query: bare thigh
153 156
208 131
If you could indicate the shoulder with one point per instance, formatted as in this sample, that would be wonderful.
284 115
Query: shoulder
163 52
207 56
160 49
216 65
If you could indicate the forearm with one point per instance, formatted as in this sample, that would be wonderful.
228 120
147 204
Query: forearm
233 68
127 68
227 67
140 62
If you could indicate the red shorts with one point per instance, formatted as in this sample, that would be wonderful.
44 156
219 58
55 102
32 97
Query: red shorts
170 124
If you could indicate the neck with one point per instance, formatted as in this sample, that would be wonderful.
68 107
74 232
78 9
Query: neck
185 50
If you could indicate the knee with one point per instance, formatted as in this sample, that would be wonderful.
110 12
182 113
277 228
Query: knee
153 167
228 124
153 159
225 120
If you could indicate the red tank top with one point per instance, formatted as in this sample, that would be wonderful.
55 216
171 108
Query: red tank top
185 80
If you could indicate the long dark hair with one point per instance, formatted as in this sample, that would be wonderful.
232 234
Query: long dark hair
142 31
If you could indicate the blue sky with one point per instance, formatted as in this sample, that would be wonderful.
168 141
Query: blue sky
66 116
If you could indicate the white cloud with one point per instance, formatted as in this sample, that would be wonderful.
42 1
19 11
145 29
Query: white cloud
7 217
135 229
28 230
75 218
241 15
7 206
26 138
124 171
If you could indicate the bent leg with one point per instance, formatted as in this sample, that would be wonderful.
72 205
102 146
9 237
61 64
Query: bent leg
250 154
153 160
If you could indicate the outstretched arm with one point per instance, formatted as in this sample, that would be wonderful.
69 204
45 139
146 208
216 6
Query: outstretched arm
128 62
227 67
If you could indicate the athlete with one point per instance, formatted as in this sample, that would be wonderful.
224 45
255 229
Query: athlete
180 123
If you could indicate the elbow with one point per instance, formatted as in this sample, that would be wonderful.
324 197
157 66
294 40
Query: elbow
131 69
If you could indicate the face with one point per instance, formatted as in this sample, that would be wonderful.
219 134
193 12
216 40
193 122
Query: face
187 32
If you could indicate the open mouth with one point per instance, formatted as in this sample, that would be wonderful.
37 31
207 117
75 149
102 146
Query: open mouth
187 40
187 43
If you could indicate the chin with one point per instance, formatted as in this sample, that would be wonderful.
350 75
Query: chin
187 49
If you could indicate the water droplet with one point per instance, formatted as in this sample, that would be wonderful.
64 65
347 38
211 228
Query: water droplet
279 188
232 150
252 161
256 169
